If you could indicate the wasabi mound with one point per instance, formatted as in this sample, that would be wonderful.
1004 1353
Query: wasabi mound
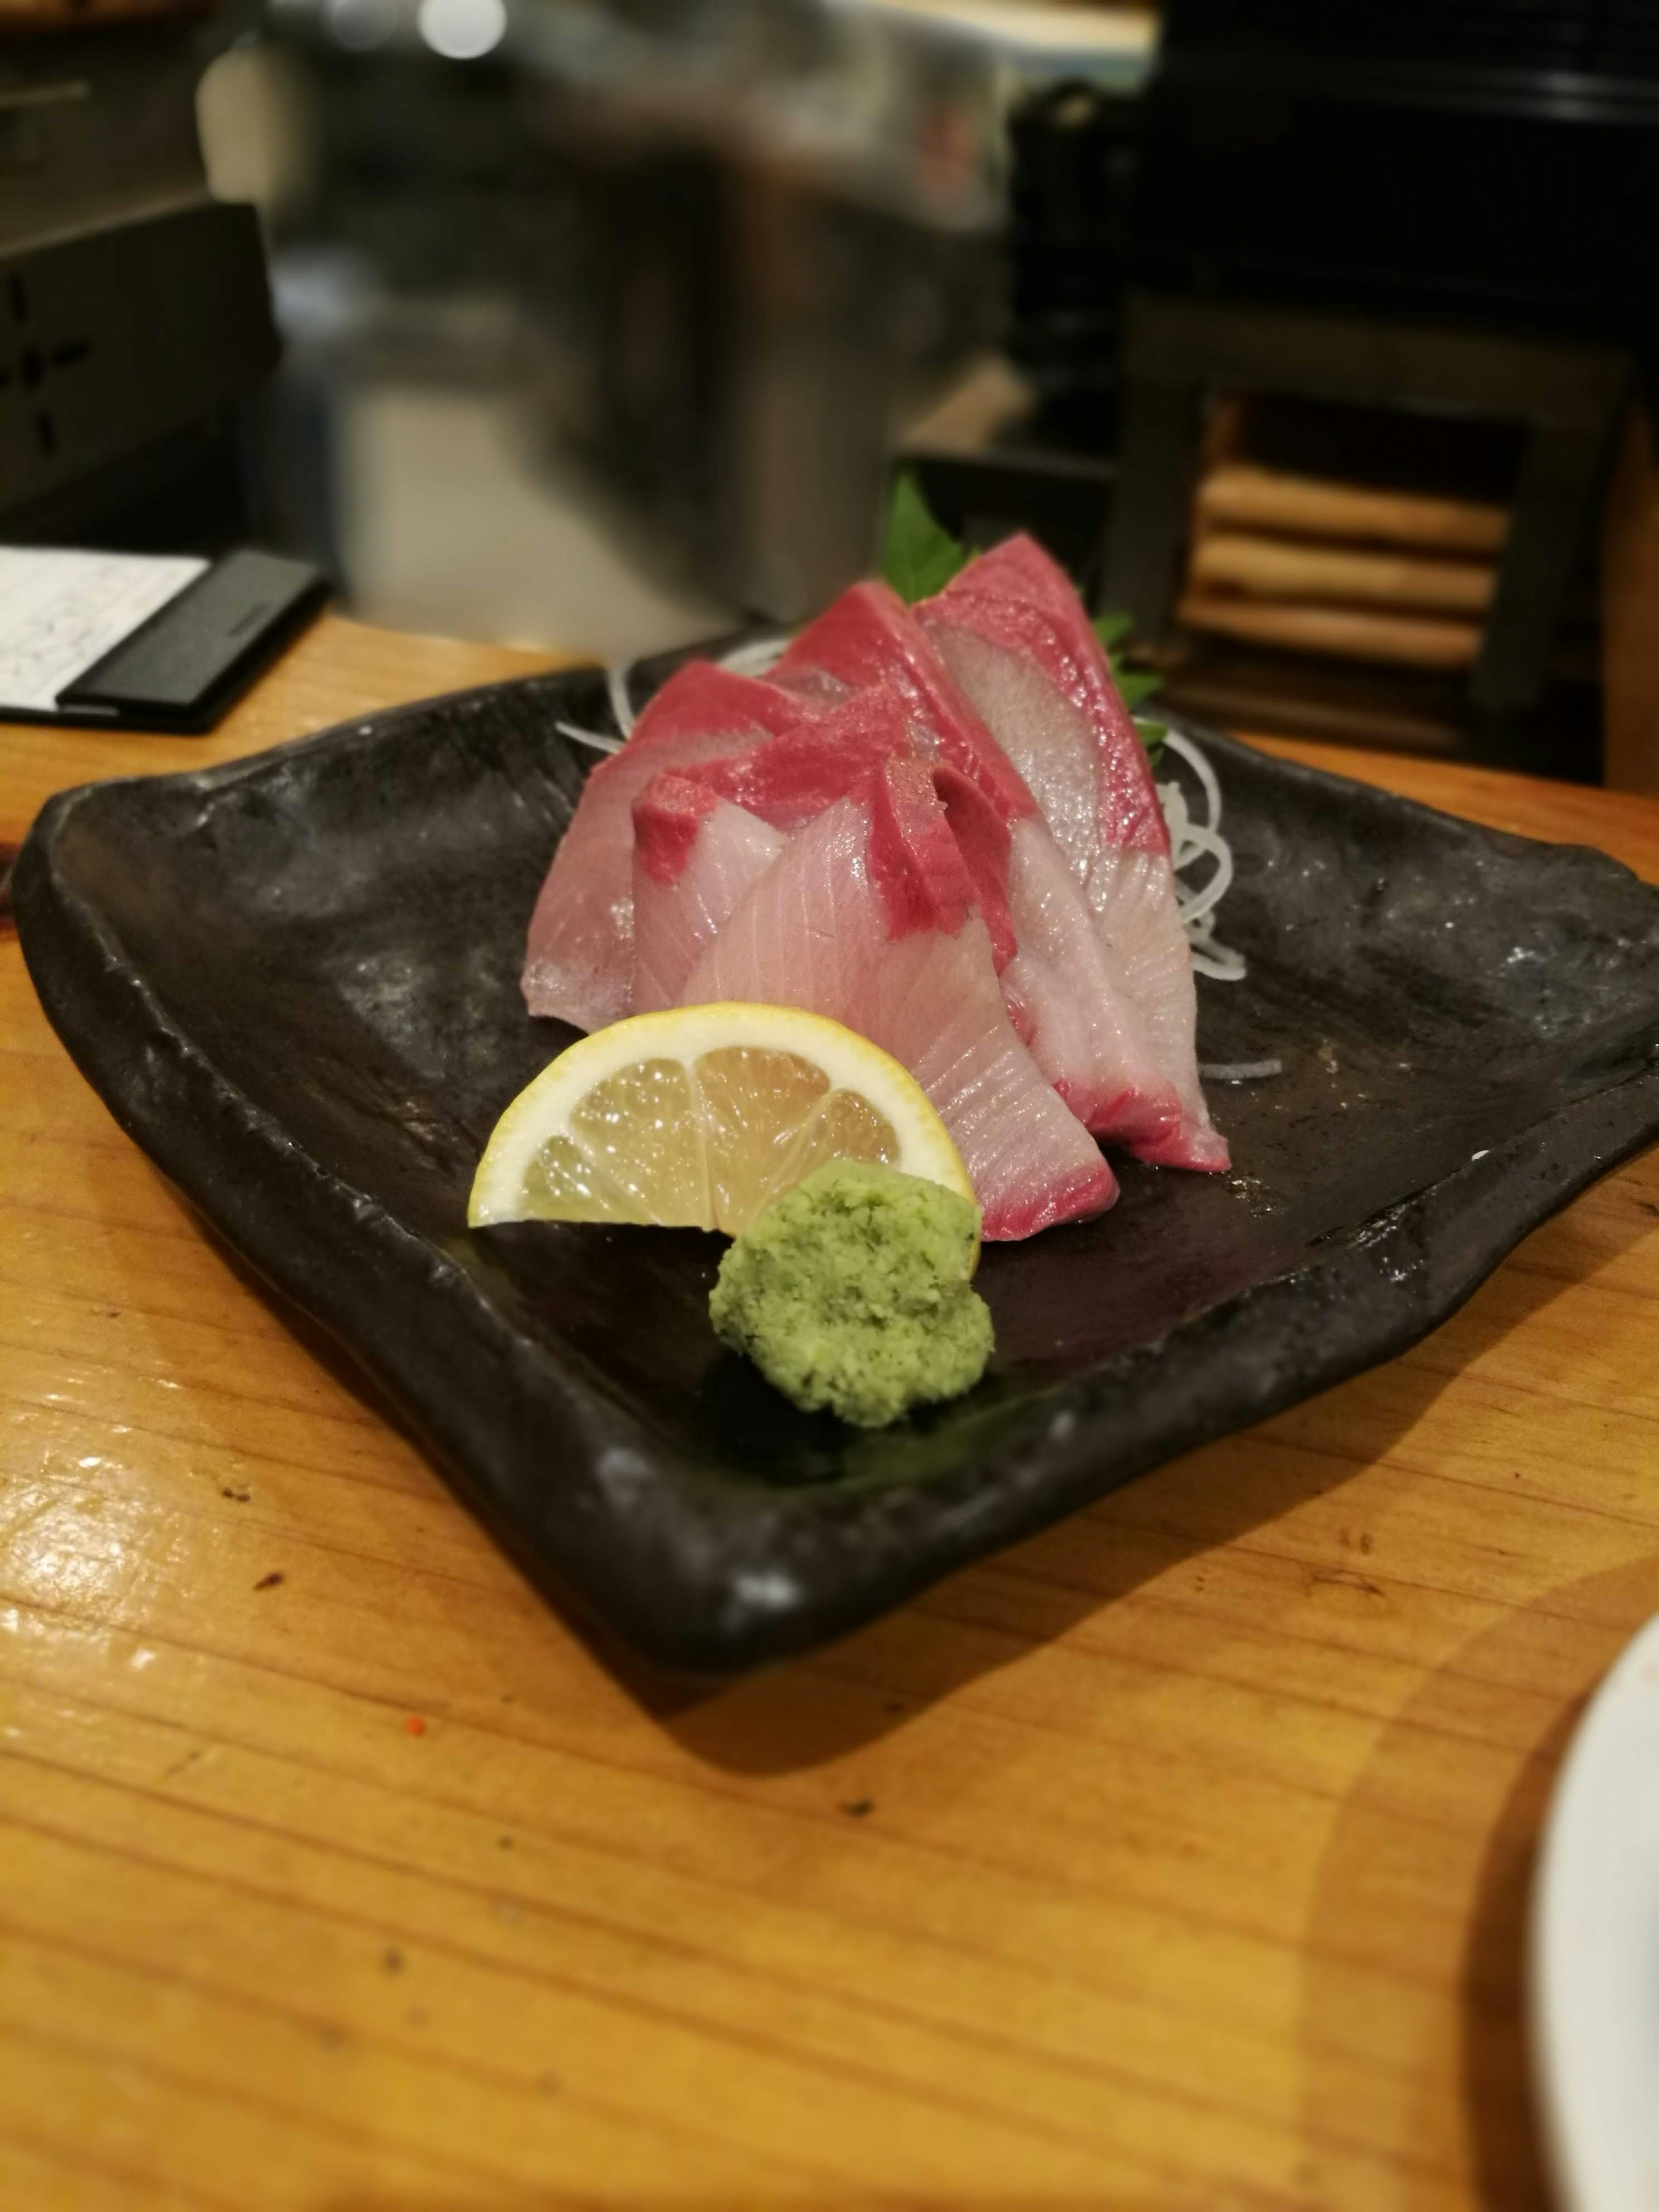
851 1292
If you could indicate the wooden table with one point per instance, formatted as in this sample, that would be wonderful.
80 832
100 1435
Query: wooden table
1178 1858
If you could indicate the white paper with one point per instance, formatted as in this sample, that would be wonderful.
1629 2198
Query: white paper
62 610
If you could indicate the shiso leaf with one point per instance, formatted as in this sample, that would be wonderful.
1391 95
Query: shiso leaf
1152 736
919 557
1136 684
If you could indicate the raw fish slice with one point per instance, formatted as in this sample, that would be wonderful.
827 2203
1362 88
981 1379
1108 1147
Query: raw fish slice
1134 900
784 783
700 697
579 961
791 779
870 916
695 855
1086 1032
1013 632
1065 993
701 836
983 846
869 639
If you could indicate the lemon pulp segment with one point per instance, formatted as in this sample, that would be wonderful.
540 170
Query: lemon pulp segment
705 1123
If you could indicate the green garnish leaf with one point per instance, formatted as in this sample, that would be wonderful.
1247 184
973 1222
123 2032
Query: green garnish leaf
1136 684
1152 735
920 556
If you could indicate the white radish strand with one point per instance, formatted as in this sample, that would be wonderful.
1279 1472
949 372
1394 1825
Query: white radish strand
1190 841
757 656
1219 962
589 738
1240 1071
616 684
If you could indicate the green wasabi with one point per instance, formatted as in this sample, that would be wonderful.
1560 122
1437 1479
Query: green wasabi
852 1292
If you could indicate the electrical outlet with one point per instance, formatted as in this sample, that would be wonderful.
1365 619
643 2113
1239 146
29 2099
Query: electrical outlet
112 339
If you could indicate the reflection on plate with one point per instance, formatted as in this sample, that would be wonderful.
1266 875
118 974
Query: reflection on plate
296 980
1596 1948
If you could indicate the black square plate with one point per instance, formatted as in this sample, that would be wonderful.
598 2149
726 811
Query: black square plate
294 980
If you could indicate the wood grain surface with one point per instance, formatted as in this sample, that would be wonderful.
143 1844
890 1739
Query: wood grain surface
1178 1858
1288 569
1629 566
1242 493
1415 640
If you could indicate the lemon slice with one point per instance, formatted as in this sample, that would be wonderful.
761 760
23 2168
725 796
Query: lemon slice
700 1116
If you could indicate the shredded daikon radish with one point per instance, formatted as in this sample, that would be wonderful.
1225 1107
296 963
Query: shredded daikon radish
589 738
616 682
1190 843
757 656
1240 1071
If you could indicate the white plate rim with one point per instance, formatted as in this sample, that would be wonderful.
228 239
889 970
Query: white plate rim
1593 1943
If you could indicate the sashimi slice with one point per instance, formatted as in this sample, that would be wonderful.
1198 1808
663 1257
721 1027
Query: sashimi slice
1065 992
1086 1032
984 847
695 855
870 915
791 778
743 805
578 960
702 835
1014 635
869 639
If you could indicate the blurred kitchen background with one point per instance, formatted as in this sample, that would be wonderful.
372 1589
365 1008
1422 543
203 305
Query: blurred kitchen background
1321 338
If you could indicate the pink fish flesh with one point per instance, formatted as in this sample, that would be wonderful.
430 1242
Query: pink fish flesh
579 961
870 640
1065 991
695 856
1014 635
702 835
1086 1032
871 916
